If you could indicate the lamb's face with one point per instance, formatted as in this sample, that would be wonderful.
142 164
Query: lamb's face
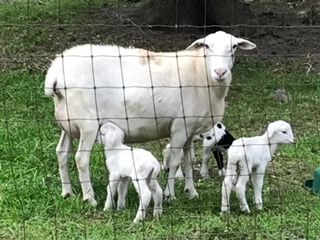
214 135
219 49
281 132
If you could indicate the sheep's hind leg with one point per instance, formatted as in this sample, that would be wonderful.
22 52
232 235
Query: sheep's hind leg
63 151
87 139
157 196
226 188
206 154
241 192
122 193
144 198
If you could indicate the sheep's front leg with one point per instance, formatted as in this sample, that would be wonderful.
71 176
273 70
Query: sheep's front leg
206 155
87 139
219 159
63 151
111 191
257 182
144 197
122 193
189 184
241 191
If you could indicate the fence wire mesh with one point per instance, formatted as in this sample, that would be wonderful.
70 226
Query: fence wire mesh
277 80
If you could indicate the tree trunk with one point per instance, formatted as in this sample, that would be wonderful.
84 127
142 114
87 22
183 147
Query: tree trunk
198 14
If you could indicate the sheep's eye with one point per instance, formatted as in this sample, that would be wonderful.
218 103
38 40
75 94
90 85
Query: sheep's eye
207 46
284 132
209 138
219 125
234 46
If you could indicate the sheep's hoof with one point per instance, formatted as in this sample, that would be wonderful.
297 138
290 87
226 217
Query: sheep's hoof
259 206
92 202
192 193
121 206
157 213
204 173
67 195
224 212
245 209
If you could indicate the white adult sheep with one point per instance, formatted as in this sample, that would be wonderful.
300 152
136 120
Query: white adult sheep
124 164
251 156
147 94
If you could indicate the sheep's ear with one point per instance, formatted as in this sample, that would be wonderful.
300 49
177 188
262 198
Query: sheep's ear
196 44
271 130
245 44
103 129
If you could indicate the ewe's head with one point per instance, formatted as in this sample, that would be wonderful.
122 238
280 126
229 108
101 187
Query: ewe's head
280 132
111 135
214 135
219 49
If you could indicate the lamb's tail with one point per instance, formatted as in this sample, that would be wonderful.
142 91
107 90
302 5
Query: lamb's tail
150 175
51 82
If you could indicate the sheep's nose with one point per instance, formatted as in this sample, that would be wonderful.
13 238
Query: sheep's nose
220 72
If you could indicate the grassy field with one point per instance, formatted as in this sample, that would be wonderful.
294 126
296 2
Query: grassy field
30 202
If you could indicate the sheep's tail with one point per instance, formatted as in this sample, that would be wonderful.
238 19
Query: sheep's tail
232 169
51 81
149 177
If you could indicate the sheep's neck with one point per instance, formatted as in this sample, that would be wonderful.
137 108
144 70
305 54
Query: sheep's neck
120 147
273 145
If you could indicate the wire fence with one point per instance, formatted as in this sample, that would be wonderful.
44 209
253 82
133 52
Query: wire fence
151 107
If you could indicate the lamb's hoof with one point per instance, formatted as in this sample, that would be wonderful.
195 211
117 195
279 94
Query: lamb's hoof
121 206
66 195
259 206
224 212
92 202
137 220
157 213
192 193
245 209
204 174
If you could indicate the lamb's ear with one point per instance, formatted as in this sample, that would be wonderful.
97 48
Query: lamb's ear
245 44
271 130
196 44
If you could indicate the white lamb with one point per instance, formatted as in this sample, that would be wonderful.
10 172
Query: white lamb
124 164
250 157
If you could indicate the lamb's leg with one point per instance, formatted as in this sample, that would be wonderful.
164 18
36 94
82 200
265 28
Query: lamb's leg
257 182
122 193
219 159
241 191
114 181
157 196
87 138
206 155
189 184
63 151
144 198
179 174
226 189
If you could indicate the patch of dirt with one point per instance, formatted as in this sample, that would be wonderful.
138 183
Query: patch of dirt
284 31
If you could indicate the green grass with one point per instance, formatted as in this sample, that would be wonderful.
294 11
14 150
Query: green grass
30 203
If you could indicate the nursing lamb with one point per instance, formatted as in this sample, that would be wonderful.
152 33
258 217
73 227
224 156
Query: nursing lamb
130 164
149 95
